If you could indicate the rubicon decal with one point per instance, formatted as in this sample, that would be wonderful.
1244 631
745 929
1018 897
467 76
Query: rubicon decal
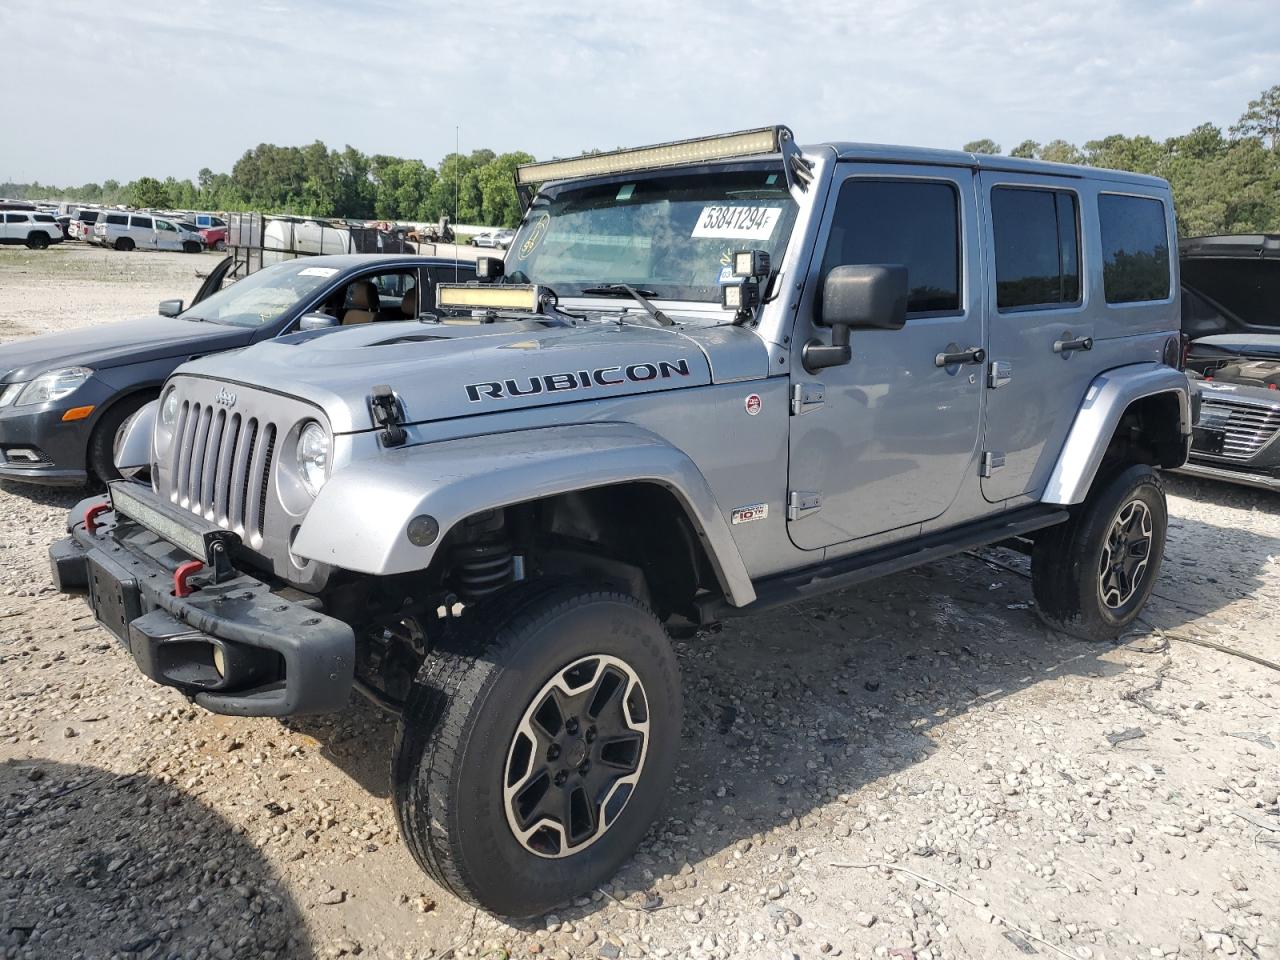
599 378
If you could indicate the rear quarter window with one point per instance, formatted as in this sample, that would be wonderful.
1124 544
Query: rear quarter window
119 219
1135 248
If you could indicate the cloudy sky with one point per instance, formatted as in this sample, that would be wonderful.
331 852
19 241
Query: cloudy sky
97 89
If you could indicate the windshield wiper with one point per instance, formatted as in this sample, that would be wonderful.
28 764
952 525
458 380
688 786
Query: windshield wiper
639 296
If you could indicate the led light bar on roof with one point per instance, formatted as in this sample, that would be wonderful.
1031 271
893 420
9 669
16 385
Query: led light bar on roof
462 296
746 143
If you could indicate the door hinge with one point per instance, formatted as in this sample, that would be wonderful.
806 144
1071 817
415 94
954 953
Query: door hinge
999 373
991 462
803 503
806 397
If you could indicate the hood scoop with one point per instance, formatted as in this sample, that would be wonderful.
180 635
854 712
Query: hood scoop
407 338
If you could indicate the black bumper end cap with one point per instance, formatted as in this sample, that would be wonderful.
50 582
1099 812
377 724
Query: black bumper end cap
69 566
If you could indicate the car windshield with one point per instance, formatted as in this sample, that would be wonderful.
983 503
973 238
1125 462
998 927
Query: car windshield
261 297
672 234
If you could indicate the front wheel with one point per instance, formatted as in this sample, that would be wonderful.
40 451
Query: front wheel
220 245
537 745
1092 575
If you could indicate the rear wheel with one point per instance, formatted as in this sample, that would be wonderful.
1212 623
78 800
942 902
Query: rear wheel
37 241
220 245
124 243
537 746
1092 575
190 246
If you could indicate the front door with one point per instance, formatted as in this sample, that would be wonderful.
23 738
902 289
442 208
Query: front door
1039 328
897 431
167 236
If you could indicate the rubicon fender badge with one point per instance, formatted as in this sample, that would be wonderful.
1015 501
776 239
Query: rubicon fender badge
753 404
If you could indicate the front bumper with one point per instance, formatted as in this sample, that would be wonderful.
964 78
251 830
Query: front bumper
278 657
1263 481
61 447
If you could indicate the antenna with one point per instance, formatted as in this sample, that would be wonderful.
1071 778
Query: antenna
457 189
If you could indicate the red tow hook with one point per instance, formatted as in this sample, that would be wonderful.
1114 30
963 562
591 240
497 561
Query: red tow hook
181 588
92 514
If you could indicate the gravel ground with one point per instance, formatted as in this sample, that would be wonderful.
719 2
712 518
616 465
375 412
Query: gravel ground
912 769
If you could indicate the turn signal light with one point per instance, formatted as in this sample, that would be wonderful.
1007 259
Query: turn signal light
76 413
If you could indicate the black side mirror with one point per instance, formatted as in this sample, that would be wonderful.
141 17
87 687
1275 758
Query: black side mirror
170 308
861 297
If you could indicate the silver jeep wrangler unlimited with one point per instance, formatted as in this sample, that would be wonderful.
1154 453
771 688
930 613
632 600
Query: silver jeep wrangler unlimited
709 377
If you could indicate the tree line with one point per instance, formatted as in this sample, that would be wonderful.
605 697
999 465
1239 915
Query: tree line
1223 182
321 182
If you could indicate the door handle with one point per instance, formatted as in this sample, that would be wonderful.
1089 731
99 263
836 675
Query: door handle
972 355
1069 346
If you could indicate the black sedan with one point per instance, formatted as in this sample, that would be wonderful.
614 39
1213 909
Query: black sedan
65 398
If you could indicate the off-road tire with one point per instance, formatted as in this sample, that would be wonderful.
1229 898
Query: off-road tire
457 731
37 241
1065 561
124 244
101 455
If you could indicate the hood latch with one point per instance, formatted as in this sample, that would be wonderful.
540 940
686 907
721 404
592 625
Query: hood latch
384 407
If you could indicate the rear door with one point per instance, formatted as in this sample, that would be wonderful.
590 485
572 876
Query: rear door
1041 326
142 231
896 433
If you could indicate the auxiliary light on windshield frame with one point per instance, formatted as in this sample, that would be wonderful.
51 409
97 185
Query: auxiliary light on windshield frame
761 141
474 296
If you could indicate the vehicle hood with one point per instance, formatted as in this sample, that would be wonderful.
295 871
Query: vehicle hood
443 371
115 344
1260 345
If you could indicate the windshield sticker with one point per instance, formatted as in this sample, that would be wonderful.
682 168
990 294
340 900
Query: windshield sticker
737 223
625 191
317 271
535 236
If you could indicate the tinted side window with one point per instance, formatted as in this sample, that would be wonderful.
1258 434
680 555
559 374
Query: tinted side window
119 219
1037 247
915 223
18 218
44 218
143 222
1135 248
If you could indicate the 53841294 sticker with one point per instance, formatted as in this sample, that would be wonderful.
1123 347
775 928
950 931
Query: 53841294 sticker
736 222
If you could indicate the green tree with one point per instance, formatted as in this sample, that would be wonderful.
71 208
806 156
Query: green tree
1060 151
1262 118
148 192
985 145
1027 150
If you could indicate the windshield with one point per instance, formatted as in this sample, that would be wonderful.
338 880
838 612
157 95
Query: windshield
261 297
672 234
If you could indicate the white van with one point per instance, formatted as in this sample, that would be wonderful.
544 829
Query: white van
144 231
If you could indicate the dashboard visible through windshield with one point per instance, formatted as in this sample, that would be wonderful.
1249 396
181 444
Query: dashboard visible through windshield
672 235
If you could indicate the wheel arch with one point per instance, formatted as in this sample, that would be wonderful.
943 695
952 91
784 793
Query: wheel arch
1134 414
359 520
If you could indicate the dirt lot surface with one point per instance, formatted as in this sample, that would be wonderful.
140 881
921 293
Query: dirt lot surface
913 769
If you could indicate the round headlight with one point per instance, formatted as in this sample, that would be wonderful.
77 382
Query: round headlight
313 457
169 409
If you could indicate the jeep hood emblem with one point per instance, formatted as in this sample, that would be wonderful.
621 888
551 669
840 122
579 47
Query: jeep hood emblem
224 397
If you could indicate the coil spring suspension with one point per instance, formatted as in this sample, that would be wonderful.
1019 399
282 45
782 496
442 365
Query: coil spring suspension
482 568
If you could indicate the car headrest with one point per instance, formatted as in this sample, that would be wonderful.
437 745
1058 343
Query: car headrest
409 305
364 296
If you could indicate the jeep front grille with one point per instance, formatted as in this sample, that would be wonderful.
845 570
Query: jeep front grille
1246 427
221 467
